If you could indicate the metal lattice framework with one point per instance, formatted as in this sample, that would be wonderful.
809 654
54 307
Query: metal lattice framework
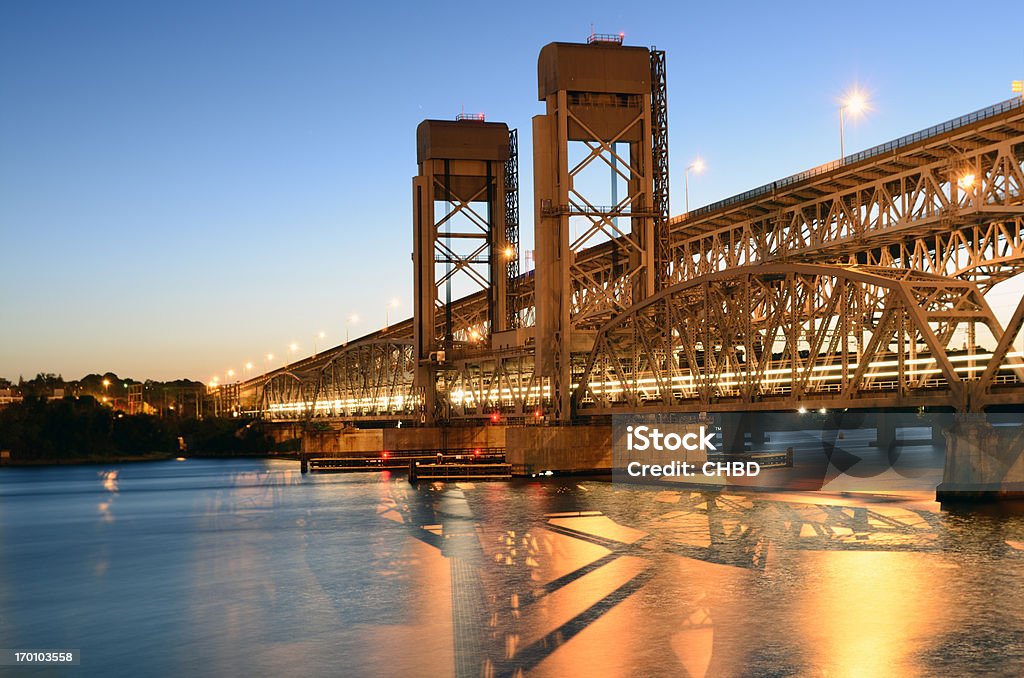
782 335
659 156
286 395
952 206
945 203
370 379
512 229
603 290
476 386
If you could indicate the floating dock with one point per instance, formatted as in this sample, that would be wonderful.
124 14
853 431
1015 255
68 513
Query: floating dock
400 461
456 471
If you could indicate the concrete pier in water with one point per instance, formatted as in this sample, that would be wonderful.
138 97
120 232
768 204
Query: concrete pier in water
982 461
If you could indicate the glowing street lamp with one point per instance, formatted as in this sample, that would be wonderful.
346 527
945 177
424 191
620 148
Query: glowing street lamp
352 320
319 335
387 312
697 166
231 373
854 104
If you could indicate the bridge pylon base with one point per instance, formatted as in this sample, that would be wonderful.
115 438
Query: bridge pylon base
983 463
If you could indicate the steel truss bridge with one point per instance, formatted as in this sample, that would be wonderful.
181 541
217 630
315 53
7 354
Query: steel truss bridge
859 283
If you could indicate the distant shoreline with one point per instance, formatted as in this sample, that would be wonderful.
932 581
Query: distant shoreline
124 459
84 461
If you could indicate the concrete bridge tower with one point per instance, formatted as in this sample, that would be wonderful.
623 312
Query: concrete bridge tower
464 235
606 116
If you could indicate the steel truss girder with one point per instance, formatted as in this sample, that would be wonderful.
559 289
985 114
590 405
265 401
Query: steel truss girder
367 379
477 386
780 336
907 218
973 240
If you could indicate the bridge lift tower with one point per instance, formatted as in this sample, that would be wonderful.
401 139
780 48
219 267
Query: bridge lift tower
465 230
610 100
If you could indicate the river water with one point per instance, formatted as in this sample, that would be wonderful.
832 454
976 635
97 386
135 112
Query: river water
244 567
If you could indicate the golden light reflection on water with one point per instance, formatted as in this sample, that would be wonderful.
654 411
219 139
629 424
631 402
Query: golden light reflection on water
110 480
573 579
872 613
104 507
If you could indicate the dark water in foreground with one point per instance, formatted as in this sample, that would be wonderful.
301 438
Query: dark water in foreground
249 568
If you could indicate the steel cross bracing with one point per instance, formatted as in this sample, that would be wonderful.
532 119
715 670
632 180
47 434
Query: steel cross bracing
369 379
910 205
787 335
599 292
659 156
512 229
951 204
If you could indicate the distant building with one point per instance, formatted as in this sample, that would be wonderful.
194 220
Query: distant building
8 396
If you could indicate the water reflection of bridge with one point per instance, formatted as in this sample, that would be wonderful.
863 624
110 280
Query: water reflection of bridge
535 588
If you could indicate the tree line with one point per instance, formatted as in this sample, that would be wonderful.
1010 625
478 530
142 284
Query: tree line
80 428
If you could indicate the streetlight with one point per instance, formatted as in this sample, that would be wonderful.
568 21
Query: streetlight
697 166
352 320
856 103
231 373
292 348
387 312
320 335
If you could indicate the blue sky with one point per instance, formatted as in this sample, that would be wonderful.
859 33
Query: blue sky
187 186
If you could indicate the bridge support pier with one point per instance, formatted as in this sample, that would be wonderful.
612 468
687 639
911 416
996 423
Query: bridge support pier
885 430
983 463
